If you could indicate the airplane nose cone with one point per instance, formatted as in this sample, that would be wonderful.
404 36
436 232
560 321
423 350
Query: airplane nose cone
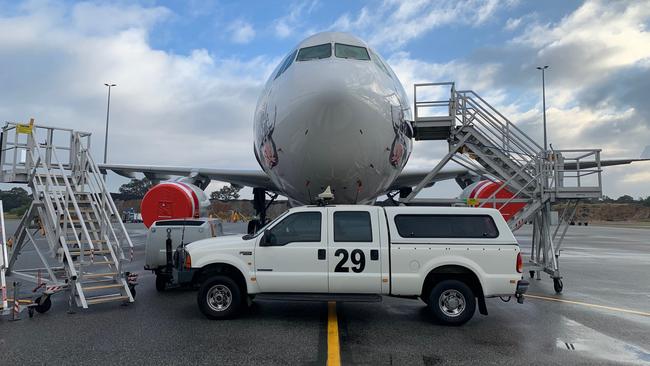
338 131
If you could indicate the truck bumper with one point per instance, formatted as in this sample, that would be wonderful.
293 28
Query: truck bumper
183 276
522 287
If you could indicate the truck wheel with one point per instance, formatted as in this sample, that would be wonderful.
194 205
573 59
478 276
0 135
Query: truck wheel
452 302
44 304
219 298
161 283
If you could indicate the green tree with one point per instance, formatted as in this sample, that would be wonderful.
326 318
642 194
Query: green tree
625 199
646 201
135 189
226 193
15 198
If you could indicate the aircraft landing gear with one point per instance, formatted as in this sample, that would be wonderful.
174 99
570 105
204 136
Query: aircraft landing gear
260 206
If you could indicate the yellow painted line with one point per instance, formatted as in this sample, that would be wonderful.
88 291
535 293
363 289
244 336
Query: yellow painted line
620 310
333 347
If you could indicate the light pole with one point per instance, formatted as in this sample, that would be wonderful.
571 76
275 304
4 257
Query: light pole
108 111
543 68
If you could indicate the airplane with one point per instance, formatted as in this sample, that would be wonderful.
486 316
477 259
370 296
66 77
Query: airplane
332 114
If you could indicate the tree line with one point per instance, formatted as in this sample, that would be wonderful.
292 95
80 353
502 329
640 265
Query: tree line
137 188
17 200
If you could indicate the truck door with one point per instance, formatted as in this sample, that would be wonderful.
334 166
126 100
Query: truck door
353 241
294 259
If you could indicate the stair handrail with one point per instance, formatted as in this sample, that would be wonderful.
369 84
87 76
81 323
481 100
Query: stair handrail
535 145
114 243
105 191
33 148
516 140
504 185
490 135
515 135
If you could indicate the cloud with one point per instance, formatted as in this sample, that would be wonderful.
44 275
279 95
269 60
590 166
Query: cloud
294 21
512 23
241 31
596 87
167 108
394 23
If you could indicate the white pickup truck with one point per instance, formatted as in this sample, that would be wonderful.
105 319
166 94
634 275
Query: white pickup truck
451 258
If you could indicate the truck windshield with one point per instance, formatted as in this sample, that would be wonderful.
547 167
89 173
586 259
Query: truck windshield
261 230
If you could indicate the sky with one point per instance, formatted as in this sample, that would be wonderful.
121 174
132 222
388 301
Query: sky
189 73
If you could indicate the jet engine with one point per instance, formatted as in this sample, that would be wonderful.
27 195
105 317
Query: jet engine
173 200
483 189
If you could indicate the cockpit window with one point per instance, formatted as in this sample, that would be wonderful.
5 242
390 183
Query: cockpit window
380 64
286 63
315 52
348 51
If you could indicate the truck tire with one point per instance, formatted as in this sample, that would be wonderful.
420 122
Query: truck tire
219 298
452 302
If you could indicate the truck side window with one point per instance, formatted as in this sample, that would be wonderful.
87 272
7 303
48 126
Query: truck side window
446 226
297 227
352 226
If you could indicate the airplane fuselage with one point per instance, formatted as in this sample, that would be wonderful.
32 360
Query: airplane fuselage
335 118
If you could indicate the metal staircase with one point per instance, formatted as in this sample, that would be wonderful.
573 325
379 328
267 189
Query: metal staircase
485 142
72 209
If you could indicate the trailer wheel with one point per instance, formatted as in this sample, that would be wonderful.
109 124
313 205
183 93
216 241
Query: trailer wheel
132 289
161 283
219 298
452 302
44 304
558 286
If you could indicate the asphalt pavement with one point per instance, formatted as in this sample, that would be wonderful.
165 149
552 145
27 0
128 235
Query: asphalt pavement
606 276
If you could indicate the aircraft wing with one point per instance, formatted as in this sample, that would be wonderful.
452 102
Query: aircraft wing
248 178
611 162
412 178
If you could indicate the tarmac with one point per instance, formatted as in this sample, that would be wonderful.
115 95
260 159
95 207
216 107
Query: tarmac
602 318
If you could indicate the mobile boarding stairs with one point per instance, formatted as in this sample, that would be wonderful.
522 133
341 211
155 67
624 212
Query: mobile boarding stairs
72 224
485 142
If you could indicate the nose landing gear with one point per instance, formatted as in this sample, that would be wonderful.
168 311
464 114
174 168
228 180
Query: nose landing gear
260 206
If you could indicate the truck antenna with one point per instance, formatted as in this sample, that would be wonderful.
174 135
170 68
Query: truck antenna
325 197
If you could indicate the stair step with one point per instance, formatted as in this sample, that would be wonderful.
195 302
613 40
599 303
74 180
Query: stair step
102 287
97 275
71 241
81 202
103 262
87 262
102 299
97 281
88 251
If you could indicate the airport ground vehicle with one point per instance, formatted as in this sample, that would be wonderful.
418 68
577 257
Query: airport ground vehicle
165 236
450 257
130 216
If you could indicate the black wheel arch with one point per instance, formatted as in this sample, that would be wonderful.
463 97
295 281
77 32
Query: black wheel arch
221 269
455 272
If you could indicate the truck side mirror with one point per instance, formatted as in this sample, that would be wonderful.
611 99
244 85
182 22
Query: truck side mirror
266 239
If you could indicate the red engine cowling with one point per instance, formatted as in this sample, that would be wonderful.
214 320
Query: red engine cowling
482 190
173 200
